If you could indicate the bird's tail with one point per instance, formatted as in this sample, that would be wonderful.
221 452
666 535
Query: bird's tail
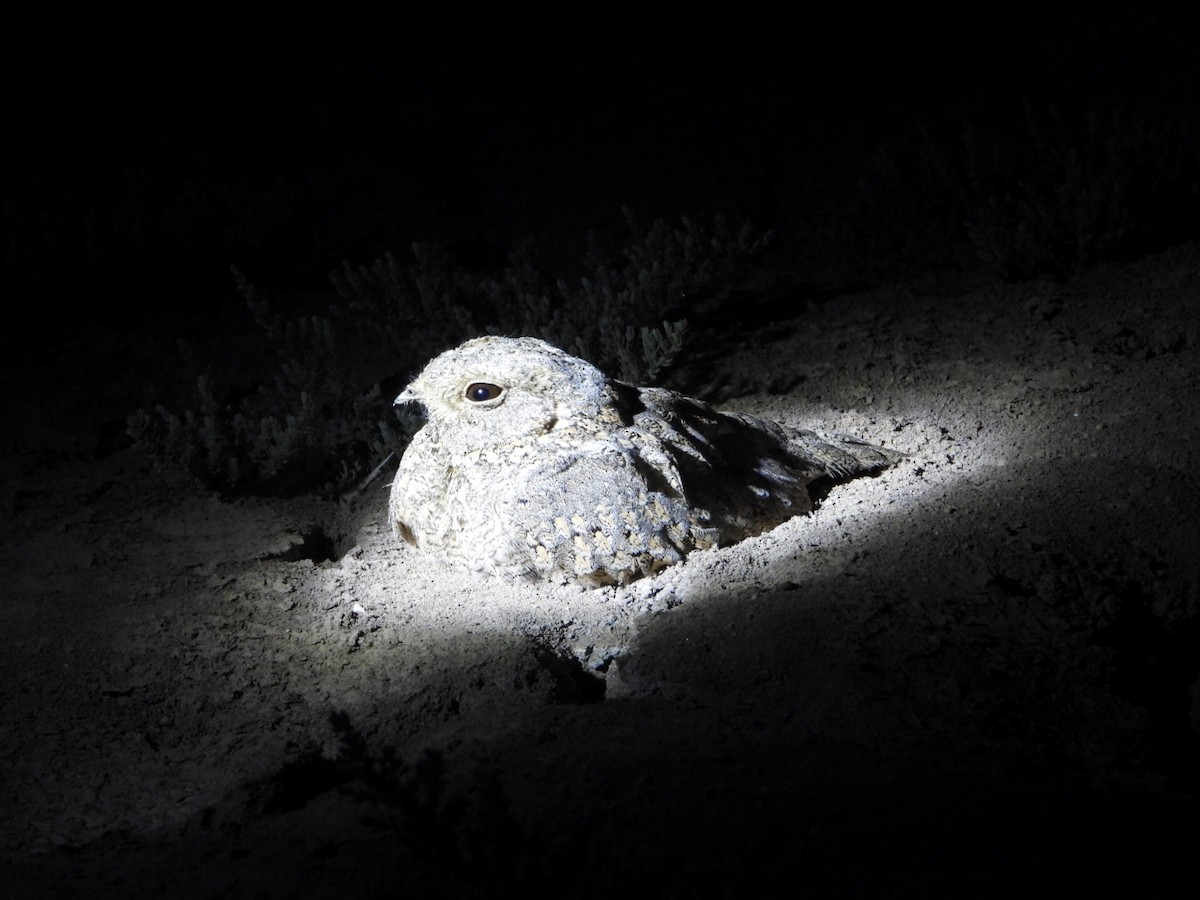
843 456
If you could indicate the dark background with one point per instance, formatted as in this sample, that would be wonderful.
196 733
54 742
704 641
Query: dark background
147 152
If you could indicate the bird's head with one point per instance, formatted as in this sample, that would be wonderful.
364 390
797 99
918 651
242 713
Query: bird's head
494 391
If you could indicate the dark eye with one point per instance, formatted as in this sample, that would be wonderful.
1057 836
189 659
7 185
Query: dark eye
481 391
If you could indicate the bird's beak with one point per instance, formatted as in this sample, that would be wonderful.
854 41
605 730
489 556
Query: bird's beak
406 396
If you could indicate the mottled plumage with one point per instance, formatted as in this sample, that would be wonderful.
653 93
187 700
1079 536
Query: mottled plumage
533 463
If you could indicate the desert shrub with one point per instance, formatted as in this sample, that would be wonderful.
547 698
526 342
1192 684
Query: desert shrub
323 418
1048 194
307 427
1111 186
628 314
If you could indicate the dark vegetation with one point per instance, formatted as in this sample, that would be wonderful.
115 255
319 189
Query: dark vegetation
1058 194
998 151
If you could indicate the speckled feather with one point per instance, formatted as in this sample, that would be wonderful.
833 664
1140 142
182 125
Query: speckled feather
532 463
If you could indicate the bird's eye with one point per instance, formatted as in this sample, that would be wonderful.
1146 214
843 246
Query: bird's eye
481 392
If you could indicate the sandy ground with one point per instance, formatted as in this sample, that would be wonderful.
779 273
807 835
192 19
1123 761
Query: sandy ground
975 675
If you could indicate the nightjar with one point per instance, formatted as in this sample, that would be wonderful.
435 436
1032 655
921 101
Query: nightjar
533 463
